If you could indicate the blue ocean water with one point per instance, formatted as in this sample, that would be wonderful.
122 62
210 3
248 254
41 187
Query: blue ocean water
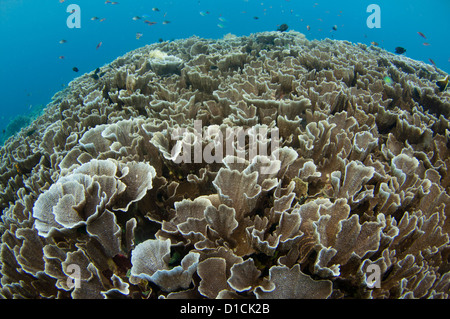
32 69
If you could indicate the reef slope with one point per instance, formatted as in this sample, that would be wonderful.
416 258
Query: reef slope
103 200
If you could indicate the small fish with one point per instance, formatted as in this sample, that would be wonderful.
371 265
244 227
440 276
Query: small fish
107 1
222 19
61 57
99 45
166 22
149 22
283 27
61 1
220 25
374 43
255 17
138 35
203 13
94 18
426 44
442 83
422 35
308 28
387 80
432 62
103 19
334 27
400 50
30 132
136 18
62 41
75 69
114 2
155 9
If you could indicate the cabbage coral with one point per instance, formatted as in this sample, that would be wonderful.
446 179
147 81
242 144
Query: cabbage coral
358 179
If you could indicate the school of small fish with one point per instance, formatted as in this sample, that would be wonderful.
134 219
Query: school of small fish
149 20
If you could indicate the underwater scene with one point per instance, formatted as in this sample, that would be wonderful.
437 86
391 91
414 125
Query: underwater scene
239 149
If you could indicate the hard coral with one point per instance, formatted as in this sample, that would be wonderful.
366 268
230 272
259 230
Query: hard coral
119 181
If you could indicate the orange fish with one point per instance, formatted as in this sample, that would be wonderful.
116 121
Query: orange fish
308 27
99 45
61 1
103 19
426 44
374 43
422 35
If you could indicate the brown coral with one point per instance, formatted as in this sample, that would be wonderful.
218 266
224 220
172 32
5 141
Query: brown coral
120 182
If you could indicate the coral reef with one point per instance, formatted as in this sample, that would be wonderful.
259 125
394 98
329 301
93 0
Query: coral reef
21 122
357 179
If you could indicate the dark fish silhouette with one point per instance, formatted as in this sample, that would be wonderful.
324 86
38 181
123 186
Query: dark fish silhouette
30 132
422 35
432 62
283 27
400 50
75 69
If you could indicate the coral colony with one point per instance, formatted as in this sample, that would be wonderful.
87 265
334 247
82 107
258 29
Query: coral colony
236 142
262 166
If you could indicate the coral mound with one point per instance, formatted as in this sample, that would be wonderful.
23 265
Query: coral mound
132 184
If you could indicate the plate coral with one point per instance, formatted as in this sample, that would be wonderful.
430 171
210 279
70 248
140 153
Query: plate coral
104 199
